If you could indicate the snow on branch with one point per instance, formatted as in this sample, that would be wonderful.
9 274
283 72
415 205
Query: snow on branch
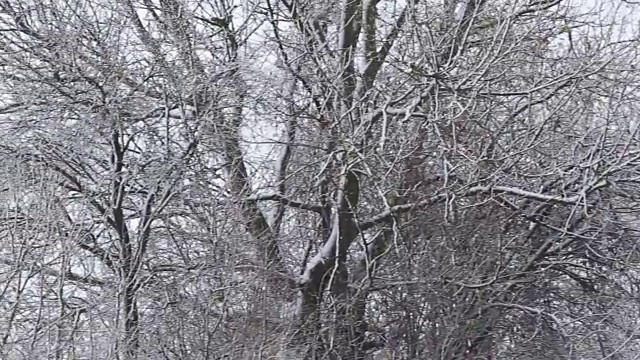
83 279
401 209
284 200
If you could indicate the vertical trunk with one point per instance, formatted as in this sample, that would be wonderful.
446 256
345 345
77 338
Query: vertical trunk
129 343
328 267
346 338
255 222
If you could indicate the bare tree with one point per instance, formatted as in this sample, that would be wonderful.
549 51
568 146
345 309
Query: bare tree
305 180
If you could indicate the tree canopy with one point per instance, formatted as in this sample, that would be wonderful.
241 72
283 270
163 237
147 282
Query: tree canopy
298 179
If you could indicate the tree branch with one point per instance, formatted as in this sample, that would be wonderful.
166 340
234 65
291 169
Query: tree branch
87 279
286 201
401 209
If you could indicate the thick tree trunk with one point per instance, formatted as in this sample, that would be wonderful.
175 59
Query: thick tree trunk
129 342
328 267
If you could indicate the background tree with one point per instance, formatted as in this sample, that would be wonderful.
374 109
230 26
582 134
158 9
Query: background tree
307 180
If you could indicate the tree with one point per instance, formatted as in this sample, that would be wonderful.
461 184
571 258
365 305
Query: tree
307 180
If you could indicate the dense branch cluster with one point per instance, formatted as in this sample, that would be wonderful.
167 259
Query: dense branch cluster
298 179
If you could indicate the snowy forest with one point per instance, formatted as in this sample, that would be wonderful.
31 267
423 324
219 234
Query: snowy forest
307 179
